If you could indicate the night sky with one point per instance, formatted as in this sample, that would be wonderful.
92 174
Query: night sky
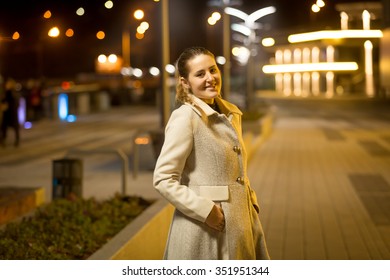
188 26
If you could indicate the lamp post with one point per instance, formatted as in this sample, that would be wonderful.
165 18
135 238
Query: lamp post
248 28
138 15
126 47
166 110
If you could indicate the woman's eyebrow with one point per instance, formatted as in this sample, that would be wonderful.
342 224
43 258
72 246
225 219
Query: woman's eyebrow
199 71
202 70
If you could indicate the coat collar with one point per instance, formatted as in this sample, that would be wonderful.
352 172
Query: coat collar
200 106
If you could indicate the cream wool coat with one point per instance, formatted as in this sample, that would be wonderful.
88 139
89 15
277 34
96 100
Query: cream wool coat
203 162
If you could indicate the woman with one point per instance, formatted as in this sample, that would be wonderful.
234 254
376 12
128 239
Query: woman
202 169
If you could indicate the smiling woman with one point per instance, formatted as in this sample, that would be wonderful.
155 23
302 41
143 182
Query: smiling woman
202 170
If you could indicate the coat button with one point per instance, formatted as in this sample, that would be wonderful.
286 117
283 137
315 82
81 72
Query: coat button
237 149
240 180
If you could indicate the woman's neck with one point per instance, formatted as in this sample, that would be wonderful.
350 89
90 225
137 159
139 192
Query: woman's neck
209 101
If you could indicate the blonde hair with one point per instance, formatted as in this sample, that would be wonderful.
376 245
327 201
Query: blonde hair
182 71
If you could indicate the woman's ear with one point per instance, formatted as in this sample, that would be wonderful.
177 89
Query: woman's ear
184 83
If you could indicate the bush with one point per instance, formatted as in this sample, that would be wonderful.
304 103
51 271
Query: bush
68 228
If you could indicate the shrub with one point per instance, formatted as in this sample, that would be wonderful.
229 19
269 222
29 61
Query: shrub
68 228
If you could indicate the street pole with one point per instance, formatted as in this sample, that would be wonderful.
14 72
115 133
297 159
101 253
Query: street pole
226 54
250 81
250 95
165 104
126 47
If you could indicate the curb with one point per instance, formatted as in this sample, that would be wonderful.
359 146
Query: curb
16 202
140 239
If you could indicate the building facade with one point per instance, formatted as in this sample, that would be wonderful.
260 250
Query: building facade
331 63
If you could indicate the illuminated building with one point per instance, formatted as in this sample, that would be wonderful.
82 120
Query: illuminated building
332 62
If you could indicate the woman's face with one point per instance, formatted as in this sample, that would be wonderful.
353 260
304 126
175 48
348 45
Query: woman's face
204 78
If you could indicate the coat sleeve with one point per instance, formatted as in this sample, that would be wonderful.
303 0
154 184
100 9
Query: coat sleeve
177 146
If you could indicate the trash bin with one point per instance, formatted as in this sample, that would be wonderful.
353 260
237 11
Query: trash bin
67 177
144 157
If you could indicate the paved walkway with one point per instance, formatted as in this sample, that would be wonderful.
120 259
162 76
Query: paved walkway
324 188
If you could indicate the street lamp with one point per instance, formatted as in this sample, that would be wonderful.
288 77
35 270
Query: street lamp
248 28
165 47
138 14
54 32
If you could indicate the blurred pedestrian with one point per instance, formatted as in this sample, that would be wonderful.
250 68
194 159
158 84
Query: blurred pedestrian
202 170
34 100
9 109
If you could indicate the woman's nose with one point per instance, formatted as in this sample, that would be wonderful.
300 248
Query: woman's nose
209 77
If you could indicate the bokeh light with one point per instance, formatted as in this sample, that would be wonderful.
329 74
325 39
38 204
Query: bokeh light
54 32
69 32
16 36
139 14
47 14
100 35
80 11
109 4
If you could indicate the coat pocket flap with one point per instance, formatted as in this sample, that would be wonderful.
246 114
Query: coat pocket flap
215 193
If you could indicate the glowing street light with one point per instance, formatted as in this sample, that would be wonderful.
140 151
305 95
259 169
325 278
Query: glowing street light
139 14
268 42
315 8
248 28
54 32
109 4
212 20
250 20
80 11
16 36
47 14
154 71
108 64
69 32
320 3
141 29
100 35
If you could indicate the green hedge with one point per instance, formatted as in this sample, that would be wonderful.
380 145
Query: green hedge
68 228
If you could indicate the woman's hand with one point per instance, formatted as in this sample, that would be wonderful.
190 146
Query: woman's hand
216 218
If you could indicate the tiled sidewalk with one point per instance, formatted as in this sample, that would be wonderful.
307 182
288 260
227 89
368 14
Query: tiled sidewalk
323 194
